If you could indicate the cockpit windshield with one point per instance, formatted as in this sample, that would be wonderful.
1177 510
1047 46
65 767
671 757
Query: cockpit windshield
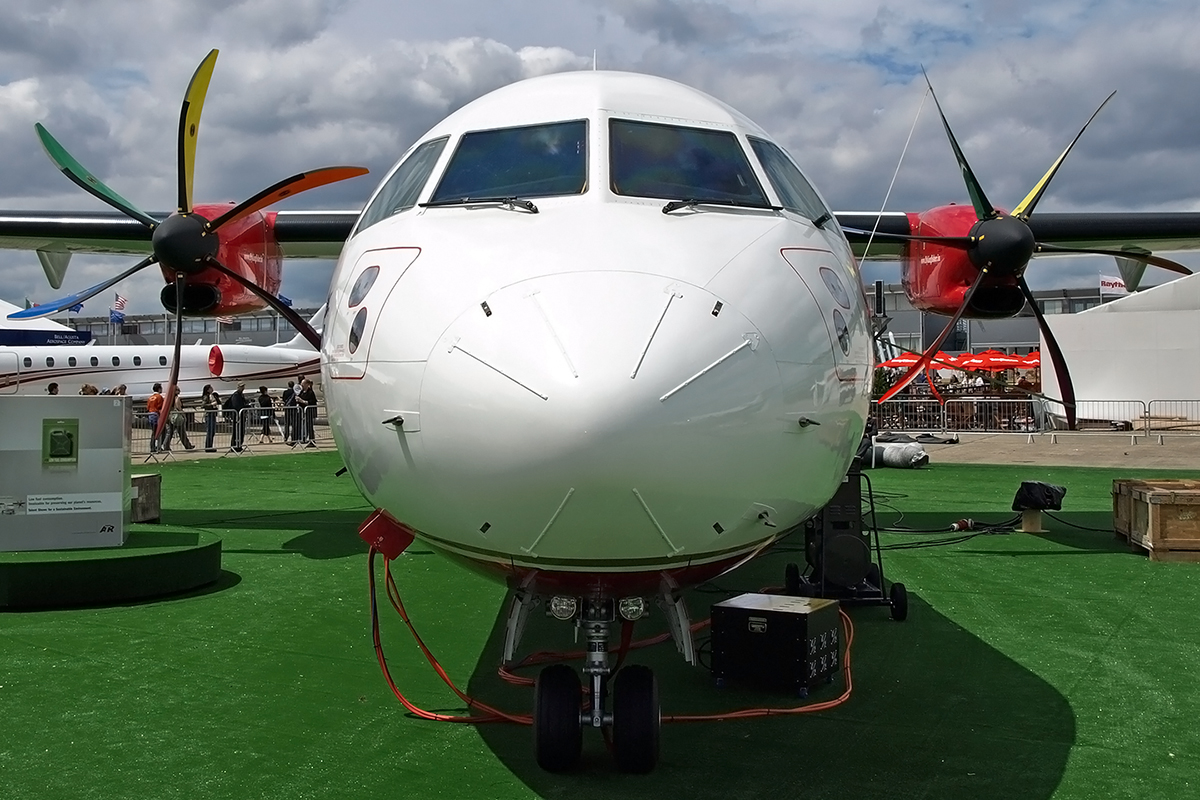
672 162
530 161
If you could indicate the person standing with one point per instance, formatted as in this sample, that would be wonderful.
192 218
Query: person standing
266 414
290 428
210 401
307 401
154 408
52 389
237 403
177 423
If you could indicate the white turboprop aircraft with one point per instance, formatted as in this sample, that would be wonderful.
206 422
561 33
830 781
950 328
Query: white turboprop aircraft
595 334
31 369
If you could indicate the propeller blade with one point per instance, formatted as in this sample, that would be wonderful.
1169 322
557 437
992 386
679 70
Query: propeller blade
189 127
298 322
1133 255
1024 209
286 188
1056 356
932 350
87 181
960 242
55 306
172 385
983 209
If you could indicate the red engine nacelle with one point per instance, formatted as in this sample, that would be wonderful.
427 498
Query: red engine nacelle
936 277
247 246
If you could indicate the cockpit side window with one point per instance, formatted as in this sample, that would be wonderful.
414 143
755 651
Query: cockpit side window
529 161
795 192
672 162
402 188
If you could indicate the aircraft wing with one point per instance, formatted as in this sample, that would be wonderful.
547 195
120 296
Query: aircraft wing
1144 231
320 234
301 234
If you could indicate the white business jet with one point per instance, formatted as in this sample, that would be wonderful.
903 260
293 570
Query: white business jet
31 369
598 336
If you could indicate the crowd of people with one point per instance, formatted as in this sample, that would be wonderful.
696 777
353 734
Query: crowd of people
293 415
89 389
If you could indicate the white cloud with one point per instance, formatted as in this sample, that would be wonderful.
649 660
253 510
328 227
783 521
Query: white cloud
307 83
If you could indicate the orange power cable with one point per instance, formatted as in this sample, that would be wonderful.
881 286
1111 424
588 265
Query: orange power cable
491 714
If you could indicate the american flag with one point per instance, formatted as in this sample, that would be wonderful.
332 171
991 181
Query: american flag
116 314
225 320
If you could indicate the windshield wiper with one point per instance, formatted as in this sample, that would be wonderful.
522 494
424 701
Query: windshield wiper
675 205
507 202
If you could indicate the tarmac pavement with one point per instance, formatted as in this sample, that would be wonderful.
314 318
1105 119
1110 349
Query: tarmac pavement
1071 449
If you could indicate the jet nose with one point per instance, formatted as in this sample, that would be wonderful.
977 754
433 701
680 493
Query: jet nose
609 404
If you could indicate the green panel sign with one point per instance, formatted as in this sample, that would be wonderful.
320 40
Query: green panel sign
60 441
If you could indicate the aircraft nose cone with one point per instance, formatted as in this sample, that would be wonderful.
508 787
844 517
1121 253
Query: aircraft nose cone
610 404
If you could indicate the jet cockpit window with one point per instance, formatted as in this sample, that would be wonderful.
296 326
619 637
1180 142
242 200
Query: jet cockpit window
530 161
402 188
672 162
795 192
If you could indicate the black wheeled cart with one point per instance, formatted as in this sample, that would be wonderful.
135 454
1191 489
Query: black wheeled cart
844 561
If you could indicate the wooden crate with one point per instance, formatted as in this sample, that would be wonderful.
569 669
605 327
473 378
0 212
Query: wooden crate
146 505
1160 516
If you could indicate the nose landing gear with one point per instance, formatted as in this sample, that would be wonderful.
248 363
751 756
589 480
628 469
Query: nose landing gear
559 718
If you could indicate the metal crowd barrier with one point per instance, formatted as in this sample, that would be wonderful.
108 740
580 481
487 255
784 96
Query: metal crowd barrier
1173 416
986 415
233 433
1034 415
925 414
1105 416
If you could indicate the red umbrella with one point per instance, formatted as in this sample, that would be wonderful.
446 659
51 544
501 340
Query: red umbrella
1034 359
990 360
940 361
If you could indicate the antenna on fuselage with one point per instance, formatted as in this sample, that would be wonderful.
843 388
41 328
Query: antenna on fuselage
593 59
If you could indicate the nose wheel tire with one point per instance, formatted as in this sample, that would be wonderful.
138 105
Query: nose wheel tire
557 731
635 719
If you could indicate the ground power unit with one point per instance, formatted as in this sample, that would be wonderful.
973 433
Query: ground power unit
776 641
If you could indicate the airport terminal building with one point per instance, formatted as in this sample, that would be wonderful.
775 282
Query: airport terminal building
264 328
910 329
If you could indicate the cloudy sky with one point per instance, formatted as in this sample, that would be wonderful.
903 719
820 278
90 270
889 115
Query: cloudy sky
307 83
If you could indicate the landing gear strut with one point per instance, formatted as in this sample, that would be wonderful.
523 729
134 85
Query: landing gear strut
558 720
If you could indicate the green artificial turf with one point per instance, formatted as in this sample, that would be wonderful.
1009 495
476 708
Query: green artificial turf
1031 666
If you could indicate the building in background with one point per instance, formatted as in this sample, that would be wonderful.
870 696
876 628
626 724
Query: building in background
912 330
263 328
